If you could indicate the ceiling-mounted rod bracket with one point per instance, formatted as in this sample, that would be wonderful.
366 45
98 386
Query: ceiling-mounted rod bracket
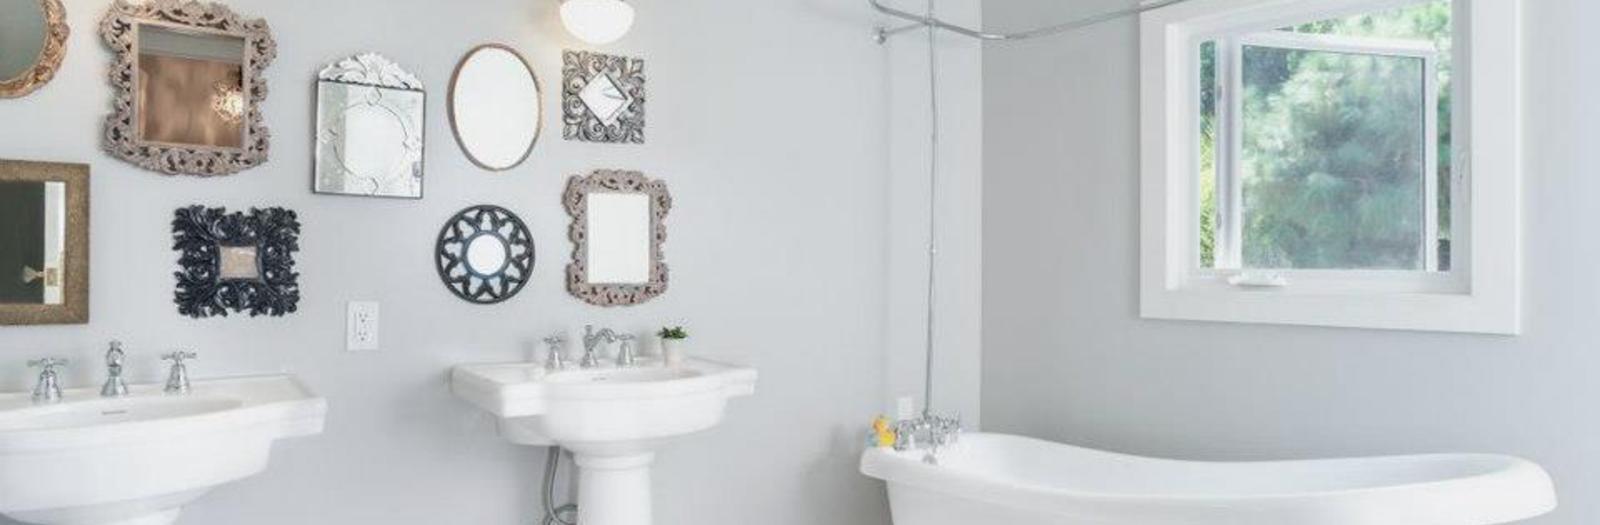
882 34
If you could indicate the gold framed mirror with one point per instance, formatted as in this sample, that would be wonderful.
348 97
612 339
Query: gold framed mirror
33 40
188 87
44 250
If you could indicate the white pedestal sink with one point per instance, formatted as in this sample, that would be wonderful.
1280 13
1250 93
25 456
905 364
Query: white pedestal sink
137 460
612 419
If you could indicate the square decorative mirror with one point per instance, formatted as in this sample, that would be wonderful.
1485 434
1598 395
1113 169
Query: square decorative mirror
188 86
33 40
369 129
618 227
603 99
44 244
241 262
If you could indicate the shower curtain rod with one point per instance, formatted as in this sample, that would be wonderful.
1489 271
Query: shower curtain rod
919 21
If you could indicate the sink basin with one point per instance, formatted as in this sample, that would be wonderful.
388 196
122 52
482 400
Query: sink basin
612 419
137 460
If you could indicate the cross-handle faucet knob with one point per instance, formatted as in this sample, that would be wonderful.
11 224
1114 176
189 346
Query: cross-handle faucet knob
178 377
625 355
554 360
48 390
114 387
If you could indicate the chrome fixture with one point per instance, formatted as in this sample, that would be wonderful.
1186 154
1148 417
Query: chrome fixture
114 386
48 389
882 34
927 433
178 377
553 359
625 355
591 339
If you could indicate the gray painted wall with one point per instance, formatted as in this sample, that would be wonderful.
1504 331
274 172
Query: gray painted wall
767 120
1067 357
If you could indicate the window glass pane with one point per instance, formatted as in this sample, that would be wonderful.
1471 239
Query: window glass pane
1332 160
1208 155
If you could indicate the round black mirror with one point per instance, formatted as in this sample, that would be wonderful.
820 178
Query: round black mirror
485 254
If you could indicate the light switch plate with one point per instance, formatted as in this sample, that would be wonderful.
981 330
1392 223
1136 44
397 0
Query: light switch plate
361 326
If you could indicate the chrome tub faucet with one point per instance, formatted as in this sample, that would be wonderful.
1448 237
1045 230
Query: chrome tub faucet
114 387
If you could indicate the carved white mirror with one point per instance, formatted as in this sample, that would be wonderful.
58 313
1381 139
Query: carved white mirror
33 40
618 227
188 86
369 129
44 246
495 107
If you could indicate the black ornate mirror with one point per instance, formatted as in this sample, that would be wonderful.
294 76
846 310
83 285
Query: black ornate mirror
241 262
485 254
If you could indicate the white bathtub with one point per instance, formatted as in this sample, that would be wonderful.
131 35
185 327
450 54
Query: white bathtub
1009 480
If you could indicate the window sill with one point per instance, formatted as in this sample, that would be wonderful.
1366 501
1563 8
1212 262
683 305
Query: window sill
1423 311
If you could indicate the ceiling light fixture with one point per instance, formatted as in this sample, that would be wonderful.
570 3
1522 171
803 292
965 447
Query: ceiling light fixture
597 21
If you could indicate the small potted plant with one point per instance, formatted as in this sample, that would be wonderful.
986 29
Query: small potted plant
671 344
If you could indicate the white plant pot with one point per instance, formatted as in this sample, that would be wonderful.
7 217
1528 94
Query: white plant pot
672 351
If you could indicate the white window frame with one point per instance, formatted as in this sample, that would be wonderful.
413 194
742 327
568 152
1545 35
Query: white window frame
1480 293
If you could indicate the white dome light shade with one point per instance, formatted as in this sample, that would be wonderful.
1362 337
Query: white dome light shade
597 21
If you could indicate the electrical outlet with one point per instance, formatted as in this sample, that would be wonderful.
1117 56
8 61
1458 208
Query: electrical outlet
361 326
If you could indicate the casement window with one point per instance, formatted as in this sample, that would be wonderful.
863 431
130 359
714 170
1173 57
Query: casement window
1332 162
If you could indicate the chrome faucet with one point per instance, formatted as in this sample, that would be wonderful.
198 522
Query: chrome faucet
591 339
48 390
625 355
114 386
554 360
178 377
927 433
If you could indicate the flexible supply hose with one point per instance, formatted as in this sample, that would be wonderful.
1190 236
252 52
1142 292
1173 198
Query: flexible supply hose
554 515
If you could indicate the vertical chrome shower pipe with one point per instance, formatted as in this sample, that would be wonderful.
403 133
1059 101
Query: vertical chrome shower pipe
933 202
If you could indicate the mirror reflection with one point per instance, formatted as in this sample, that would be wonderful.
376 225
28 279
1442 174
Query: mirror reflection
191 87
23 29
495 107
619 238
33 243
369 129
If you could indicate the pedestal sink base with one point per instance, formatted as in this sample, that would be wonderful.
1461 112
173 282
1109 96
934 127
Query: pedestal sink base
614 490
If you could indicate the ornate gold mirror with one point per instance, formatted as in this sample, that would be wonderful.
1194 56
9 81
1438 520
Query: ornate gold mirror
33 39
44 248
188 86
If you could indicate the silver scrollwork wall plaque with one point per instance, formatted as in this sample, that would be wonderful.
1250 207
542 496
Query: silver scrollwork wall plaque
370 129
602 97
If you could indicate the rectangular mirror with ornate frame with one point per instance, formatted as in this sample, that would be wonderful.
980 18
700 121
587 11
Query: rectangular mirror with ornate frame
618 226
188 85
44 246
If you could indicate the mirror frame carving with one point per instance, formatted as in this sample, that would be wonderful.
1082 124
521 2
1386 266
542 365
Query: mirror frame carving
119 29
49 59
75 304
200 233
576 201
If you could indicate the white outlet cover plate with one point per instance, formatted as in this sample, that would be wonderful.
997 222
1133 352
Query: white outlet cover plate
361 326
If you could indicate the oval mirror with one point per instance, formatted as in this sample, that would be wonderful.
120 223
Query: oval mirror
33 35
495 107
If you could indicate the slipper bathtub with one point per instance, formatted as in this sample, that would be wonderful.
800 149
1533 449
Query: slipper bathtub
995 478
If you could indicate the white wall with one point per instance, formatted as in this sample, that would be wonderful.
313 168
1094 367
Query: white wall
767 119
1067 357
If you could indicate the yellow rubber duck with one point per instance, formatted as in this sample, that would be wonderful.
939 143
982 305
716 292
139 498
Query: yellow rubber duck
883 433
